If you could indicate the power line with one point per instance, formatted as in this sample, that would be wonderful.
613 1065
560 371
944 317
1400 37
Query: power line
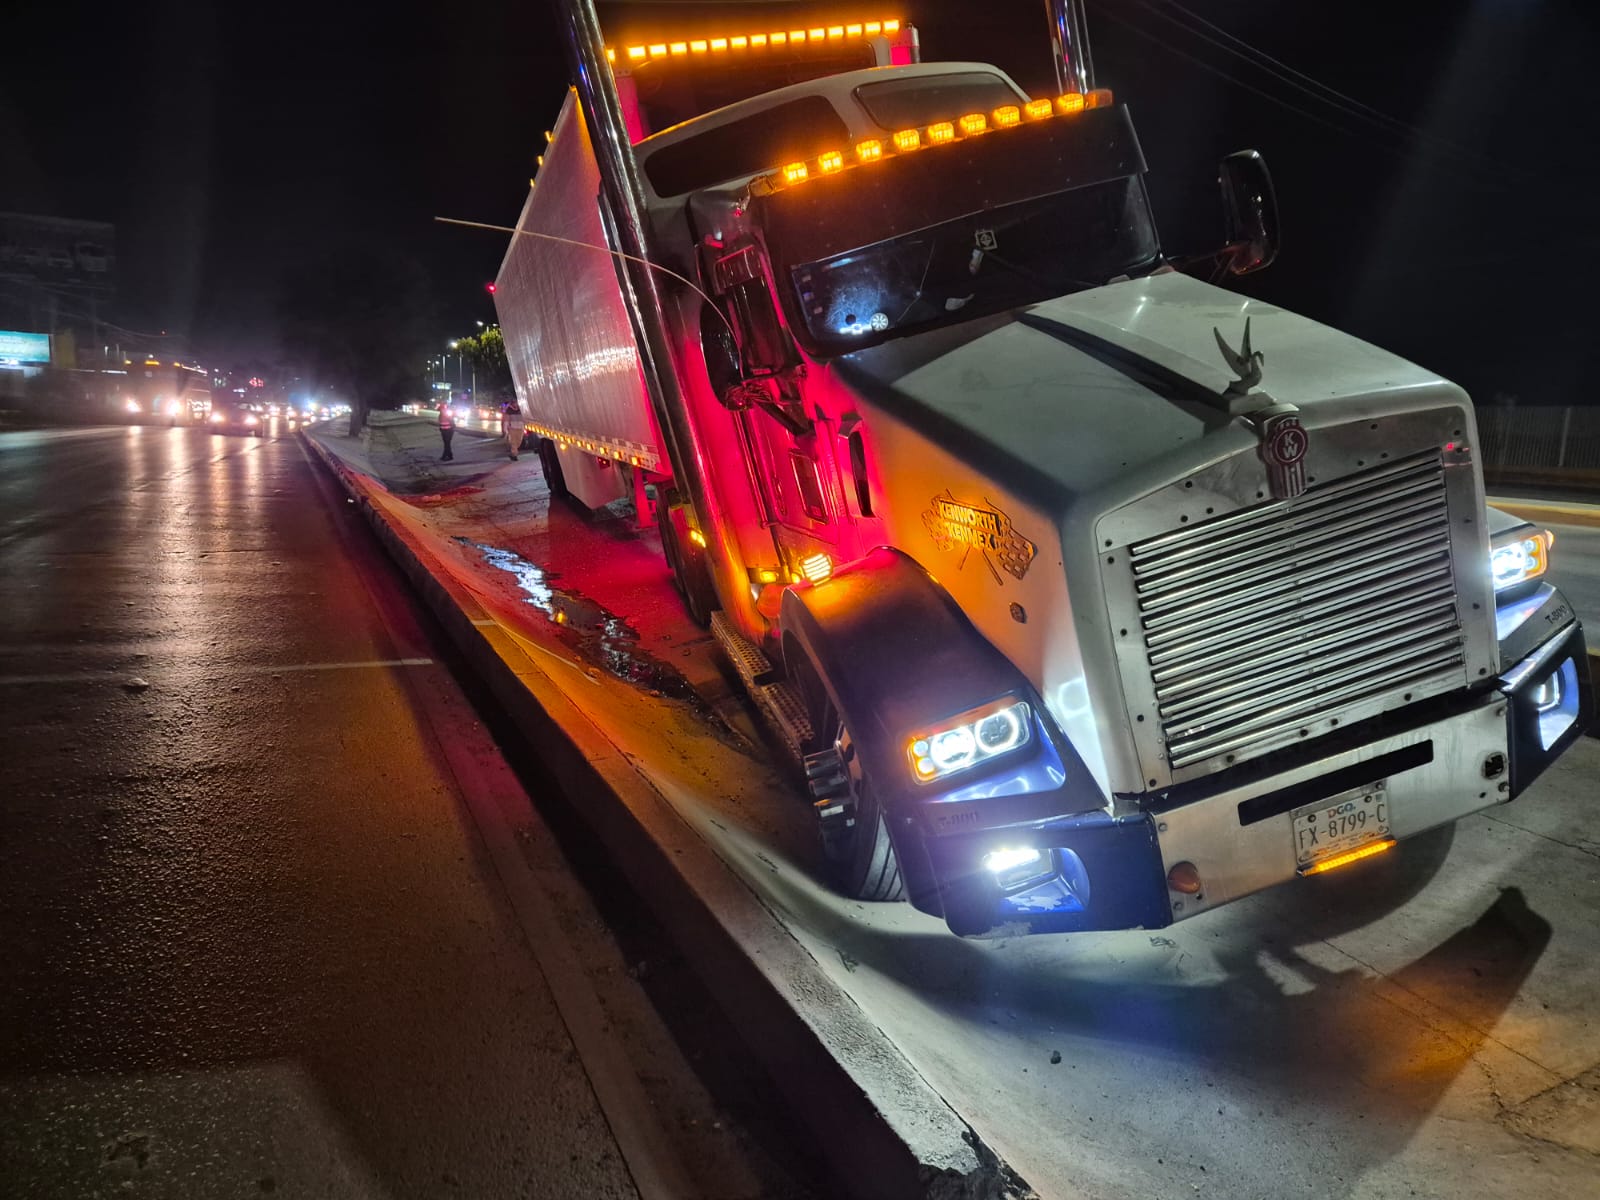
1270 97
1318 90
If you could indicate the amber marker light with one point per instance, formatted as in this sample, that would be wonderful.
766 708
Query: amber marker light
830 162
974 123
1348 857
1007 116
1038 110
817 569
1099 98
941 133
870 150
907 139
1072 102
795 172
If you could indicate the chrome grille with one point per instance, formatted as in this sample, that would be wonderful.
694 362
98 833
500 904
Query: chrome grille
1287 615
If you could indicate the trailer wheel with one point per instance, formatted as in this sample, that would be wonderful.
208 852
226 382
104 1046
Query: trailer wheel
854 831
550 463
691 574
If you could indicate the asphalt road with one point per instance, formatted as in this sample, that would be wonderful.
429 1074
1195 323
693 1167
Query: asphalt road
276 915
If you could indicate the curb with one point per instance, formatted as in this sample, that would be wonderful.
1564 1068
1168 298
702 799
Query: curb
885 1132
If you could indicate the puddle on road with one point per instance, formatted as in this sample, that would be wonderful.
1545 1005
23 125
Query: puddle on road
598 635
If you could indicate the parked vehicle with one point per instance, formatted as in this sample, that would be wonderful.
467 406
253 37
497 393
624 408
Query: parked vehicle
1087 595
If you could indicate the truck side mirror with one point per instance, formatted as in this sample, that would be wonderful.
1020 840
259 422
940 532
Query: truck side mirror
763 344
1250 209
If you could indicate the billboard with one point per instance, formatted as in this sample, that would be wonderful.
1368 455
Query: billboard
17 348
78 256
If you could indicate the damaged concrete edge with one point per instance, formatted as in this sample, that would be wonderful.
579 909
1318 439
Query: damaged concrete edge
884 1129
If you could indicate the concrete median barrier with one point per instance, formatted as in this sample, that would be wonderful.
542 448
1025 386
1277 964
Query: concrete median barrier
884 1129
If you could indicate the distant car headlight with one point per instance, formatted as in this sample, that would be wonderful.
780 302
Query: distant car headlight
970 739
1518 556
217 418
131 405
250 419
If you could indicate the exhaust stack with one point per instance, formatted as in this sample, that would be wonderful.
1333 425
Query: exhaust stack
1069 46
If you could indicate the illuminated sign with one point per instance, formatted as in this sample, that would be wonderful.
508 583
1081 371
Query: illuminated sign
955 526
257 382
18 347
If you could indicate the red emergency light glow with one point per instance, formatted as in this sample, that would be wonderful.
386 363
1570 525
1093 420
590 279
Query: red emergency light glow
940 133
822 37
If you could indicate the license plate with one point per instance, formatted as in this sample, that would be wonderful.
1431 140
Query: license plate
1340 824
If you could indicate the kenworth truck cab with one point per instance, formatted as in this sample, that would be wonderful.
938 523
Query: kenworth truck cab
1087 595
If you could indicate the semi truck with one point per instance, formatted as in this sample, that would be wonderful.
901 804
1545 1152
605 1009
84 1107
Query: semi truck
1085 594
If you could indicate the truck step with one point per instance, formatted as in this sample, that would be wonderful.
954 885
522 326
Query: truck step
778 700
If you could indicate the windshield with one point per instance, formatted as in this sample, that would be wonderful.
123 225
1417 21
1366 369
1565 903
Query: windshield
978 264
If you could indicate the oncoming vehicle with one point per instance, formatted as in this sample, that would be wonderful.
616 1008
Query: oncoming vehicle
1084 593
174 392
232 416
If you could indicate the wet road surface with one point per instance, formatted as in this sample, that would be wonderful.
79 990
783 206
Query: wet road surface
265 880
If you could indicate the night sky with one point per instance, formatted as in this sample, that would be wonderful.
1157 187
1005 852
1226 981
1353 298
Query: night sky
1445 210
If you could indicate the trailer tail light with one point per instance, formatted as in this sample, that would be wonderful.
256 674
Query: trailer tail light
907 139
817 569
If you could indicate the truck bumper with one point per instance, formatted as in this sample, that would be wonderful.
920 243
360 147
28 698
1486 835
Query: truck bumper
1433 764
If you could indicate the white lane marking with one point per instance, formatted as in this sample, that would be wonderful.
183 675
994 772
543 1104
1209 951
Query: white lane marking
268 669
337 666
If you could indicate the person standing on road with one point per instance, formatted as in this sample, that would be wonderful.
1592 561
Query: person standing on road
513 424
447 429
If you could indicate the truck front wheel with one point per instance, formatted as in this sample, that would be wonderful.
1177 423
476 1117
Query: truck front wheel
855 833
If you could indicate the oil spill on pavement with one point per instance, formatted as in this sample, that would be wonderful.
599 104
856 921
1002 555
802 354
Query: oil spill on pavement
598 635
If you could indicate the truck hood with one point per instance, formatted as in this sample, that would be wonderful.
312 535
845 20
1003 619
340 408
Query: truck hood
1063 397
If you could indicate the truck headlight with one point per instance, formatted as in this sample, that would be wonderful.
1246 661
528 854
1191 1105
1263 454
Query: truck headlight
1516 557
970 739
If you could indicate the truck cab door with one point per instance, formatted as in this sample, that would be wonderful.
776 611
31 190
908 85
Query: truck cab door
759 376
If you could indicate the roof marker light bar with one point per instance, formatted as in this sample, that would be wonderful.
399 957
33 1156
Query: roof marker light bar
904 141
638 55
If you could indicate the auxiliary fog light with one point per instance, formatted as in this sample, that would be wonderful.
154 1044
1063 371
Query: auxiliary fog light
1009 859
1556 699
1014 866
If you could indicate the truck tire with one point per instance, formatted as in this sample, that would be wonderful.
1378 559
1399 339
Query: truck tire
858 851
550 463
691 574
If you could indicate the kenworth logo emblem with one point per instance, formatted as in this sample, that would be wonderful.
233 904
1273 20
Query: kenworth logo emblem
966 527
1283 448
